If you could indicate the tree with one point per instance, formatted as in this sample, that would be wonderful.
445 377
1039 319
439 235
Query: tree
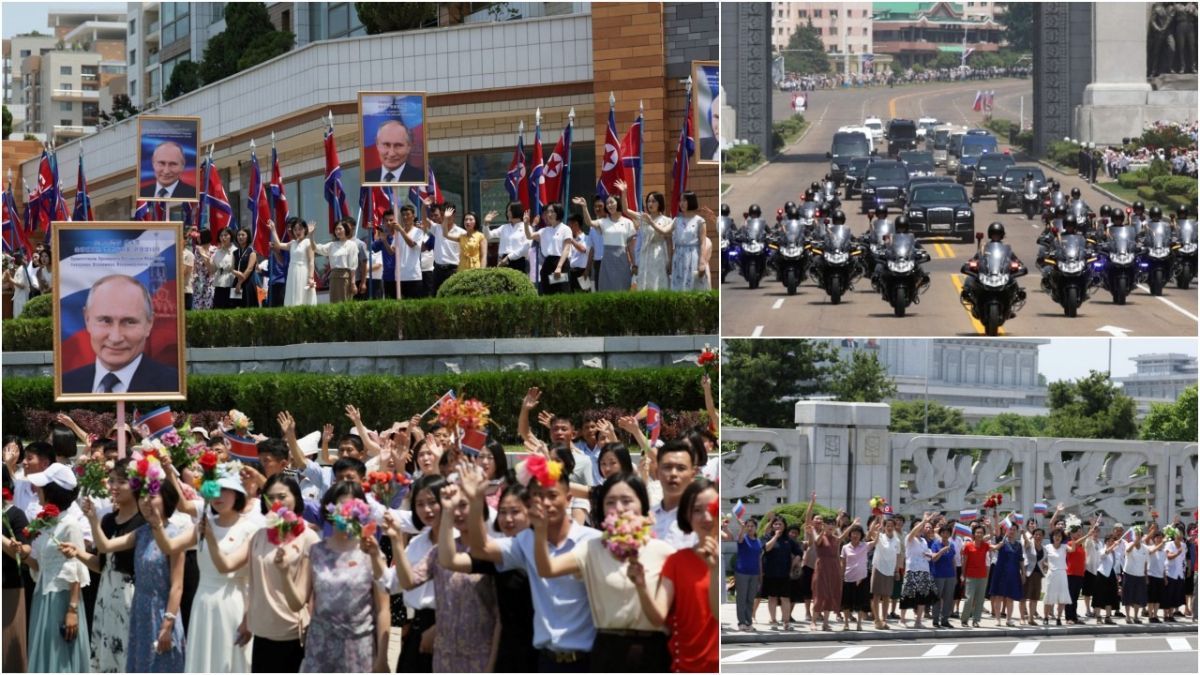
7 122
184 78
249 38
946 60
1092 407
763 378
805 52
1017 19
1011 424
908 417
388 17
1172 421
861 378
122 108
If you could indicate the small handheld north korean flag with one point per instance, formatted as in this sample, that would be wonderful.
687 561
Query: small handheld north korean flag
158 421
967 515
244 449
473 441
1040 508
653 416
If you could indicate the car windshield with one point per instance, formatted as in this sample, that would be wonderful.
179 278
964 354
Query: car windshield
874 125
903 130
938 193
916 157
850 144
886 172
920 165
973 146
858 164
1018 175
990 164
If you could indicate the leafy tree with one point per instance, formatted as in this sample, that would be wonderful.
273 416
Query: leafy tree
1017 19
1172 421
908 417
763 378
7 122
249 38
1011 424
184 78
122 108
946 60
1091 407
861 378
811 57
387 17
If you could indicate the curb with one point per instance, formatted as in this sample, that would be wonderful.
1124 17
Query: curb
767 162
805 635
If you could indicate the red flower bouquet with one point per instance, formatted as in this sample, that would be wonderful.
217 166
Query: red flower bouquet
283 525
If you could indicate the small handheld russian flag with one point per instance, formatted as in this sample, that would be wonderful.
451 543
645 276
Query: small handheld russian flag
473 441
967 515
158 421
1128 536
739 511
963 529
1018 518
1040 508
1006 523
244 449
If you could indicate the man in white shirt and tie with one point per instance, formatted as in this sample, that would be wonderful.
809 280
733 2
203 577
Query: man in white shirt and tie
169 164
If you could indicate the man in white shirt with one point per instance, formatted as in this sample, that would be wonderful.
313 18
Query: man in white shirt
514 245
676 470
445 250
409 248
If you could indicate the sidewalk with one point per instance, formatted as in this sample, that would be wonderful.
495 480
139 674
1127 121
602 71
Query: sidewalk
801 631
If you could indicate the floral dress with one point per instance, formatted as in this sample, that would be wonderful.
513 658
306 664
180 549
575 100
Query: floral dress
202 292
152 570
341 636
466 615
652 257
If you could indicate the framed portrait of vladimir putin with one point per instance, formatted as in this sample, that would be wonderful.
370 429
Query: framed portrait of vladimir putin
391 133
118 312
168 163
706 93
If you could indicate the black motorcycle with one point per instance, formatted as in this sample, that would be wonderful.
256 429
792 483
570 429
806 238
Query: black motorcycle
833 261
874 246
753 254
1119 271
726 229
1157 254
1185 255
1031 199
900 281
1070 272
996 295
790 260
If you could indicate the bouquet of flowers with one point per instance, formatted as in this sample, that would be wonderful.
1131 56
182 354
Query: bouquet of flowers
46 520
879 506
1170 532
283 525
386 486
92 476
546 471
1072 522
709 360
182 448
209 488
148 473
239 422
353 517
624 534
463 414
993 501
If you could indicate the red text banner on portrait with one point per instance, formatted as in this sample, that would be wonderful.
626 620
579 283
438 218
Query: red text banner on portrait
118 320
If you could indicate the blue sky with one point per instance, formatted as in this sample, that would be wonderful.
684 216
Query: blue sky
23 17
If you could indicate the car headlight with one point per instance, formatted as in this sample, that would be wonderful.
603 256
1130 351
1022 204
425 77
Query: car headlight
900 266
869 190
837 257
1071 266
1188 248
1159 252
753 247
964 213
994 280
916 215
1122 258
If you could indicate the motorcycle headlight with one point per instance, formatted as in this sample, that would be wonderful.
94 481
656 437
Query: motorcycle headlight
1188 248
994 280
790 251
753 247
836 257
963 213
1122 258
900 266
724 244
1159 252
1071 266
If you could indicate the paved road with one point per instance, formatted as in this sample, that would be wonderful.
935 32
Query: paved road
769 311
1135 653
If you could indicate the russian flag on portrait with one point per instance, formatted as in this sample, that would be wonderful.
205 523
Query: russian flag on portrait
88 268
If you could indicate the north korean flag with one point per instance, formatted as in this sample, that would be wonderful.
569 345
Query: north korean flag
687 147
557 168
279 203
260 211
515 180
612 169
158 421
536 187
431 191
14 234
42 199
631 158
335 195
220 212
83 203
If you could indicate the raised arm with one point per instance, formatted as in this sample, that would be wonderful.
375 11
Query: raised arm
529 233
629 213
448 555
65 420
287 425
531 400
275 243
369 446
482 546
168 545
582 204
296 591
916 531
105 544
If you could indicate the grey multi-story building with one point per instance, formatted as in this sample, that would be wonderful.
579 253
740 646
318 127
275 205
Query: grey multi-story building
1159 377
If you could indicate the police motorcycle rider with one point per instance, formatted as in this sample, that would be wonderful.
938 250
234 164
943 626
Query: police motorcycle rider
1139 214
995 233
900 226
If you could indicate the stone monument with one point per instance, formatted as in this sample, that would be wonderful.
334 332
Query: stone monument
746 70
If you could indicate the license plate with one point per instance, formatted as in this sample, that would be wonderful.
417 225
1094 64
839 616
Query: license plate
939 226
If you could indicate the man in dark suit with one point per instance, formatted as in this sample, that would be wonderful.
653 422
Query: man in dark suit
119 315
169 165
394 143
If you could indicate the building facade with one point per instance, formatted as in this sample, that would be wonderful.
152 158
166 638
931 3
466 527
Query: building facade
917 32
1159 377
845 29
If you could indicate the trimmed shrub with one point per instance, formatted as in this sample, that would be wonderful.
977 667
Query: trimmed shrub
1064 153
1133 179
1177 185
794 513
740 157
1147 193
566 315
39 307
317 399
486 282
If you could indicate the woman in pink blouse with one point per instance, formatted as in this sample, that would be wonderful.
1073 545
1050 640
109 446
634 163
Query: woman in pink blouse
856 591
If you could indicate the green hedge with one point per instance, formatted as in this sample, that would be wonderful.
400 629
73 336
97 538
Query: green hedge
1064 153
740 157
1148 193
567 315
787 130
1132 180
39 307
316 399
487 282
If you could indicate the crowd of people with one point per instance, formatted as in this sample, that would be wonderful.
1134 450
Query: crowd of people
887 77
28 278
1183 159
1065 571
573 560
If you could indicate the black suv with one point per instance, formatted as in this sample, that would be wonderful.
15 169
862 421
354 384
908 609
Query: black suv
901 135
940 209
846 146
854 175
883 183
988 170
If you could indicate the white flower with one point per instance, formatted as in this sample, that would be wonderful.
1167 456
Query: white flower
1073 521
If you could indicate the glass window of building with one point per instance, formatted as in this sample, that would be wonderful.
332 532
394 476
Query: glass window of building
65 106
132 56
66 86
218 12
132 26
339 20
64 70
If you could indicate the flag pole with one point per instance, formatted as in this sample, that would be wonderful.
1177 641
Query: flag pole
271 200
641 167
565 192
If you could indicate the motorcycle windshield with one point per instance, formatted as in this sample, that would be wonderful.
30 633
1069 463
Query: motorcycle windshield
995 258
882 229
1079 211
1187 231
808 210
1031 189
1071 247
1121 239
1058 199
838 238
756 229
724 226
902 246
792 233
1160 234
830 188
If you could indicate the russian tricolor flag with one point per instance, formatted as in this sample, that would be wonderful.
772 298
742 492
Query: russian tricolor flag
977 106
153 272
244 449
1018 518
1040 508
1128 536
963 529
158 421
739 511
1006 524
967 515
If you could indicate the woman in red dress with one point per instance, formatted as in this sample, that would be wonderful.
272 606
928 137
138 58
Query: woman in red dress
827 576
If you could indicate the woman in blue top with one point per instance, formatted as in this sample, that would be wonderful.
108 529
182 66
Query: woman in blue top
1008 574
747 572
941 568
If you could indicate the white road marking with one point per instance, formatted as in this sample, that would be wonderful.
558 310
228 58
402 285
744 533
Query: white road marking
1179 644
940 650
860 659
1026 647
1105 646
757 331
846 653
1115 331
746 655
778 304
1170 304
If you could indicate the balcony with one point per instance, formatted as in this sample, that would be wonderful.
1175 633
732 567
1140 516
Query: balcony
74 95
72 131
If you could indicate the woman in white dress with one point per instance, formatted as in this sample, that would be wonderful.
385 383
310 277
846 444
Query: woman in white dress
689 231
617 264
17 276
655 229
301 286
220 602
1058 594
343 260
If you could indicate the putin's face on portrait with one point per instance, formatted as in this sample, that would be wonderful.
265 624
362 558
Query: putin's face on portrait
393 143
118 317
168 163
